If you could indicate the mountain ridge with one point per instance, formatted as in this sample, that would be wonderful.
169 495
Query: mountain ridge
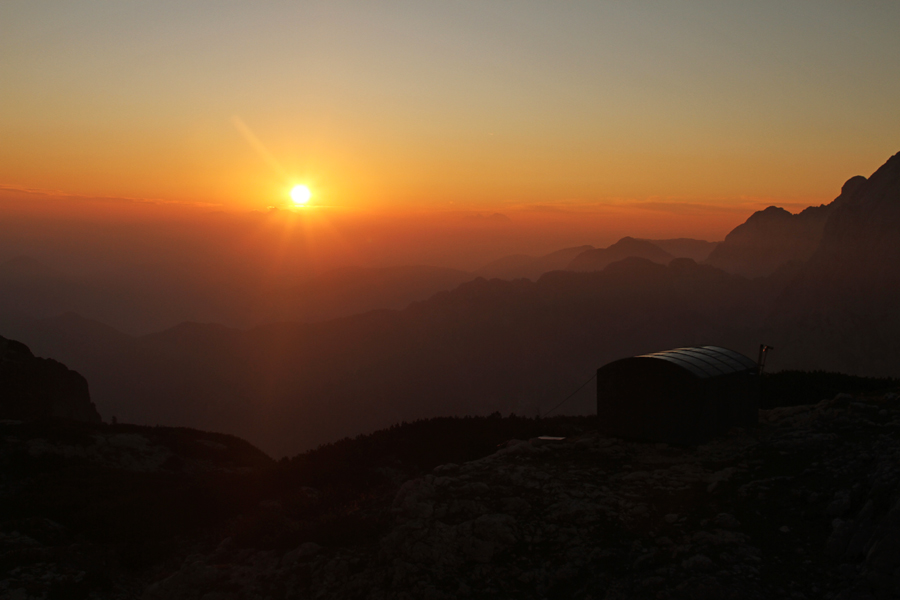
627 247
840 309
772 237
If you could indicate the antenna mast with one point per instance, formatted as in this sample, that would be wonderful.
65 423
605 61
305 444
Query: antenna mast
761 361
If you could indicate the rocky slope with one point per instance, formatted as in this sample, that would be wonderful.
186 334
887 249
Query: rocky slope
807 505
86 507
34 388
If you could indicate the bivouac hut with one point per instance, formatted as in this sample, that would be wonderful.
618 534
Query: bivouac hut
681 396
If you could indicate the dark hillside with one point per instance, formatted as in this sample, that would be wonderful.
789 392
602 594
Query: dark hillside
121 501
412 449
507 346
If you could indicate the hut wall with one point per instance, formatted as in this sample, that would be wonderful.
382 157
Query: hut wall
648 399
652 401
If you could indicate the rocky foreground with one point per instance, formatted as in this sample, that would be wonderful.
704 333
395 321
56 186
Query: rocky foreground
807 505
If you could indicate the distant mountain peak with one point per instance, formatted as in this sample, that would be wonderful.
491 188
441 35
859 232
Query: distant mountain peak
627 247
770 212
852 185
864 226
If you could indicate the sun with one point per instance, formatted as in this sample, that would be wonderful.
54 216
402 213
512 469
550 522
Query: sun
300 194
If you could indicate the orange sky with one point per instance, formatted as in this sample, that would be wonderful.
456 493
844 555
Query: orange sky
653 119
85 233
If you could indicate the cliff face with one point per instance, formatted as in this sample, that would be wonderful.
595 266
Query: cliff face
34 388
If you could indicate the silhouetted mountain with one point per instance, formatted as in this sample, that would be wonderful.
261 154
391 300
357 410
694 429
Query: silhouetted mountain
36 388
597 259
487 346
521 266
150 300
774 236
518 266
840 313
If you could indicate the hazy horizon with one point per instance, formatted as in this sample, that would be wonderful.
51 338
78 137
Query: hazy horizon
481 107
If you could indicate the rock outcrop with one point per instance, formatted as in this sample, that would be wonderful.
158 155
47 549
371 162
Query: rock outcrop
34 388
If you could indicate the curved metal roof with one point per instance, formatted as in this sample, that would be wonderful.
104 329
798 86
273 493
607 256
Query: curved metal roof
706 361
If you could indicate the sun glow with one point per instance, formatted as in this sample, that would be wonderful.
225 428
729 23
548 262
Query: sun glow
300 194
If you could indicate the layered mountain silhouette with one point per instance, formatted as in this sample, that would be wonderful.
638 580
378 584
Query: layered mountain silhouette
773 237
522 266
36 388
150 301
508 346
599 258
698 250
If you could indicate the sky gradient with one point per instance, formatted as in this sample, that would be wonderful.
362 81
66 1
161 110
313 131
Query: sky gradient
486 106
